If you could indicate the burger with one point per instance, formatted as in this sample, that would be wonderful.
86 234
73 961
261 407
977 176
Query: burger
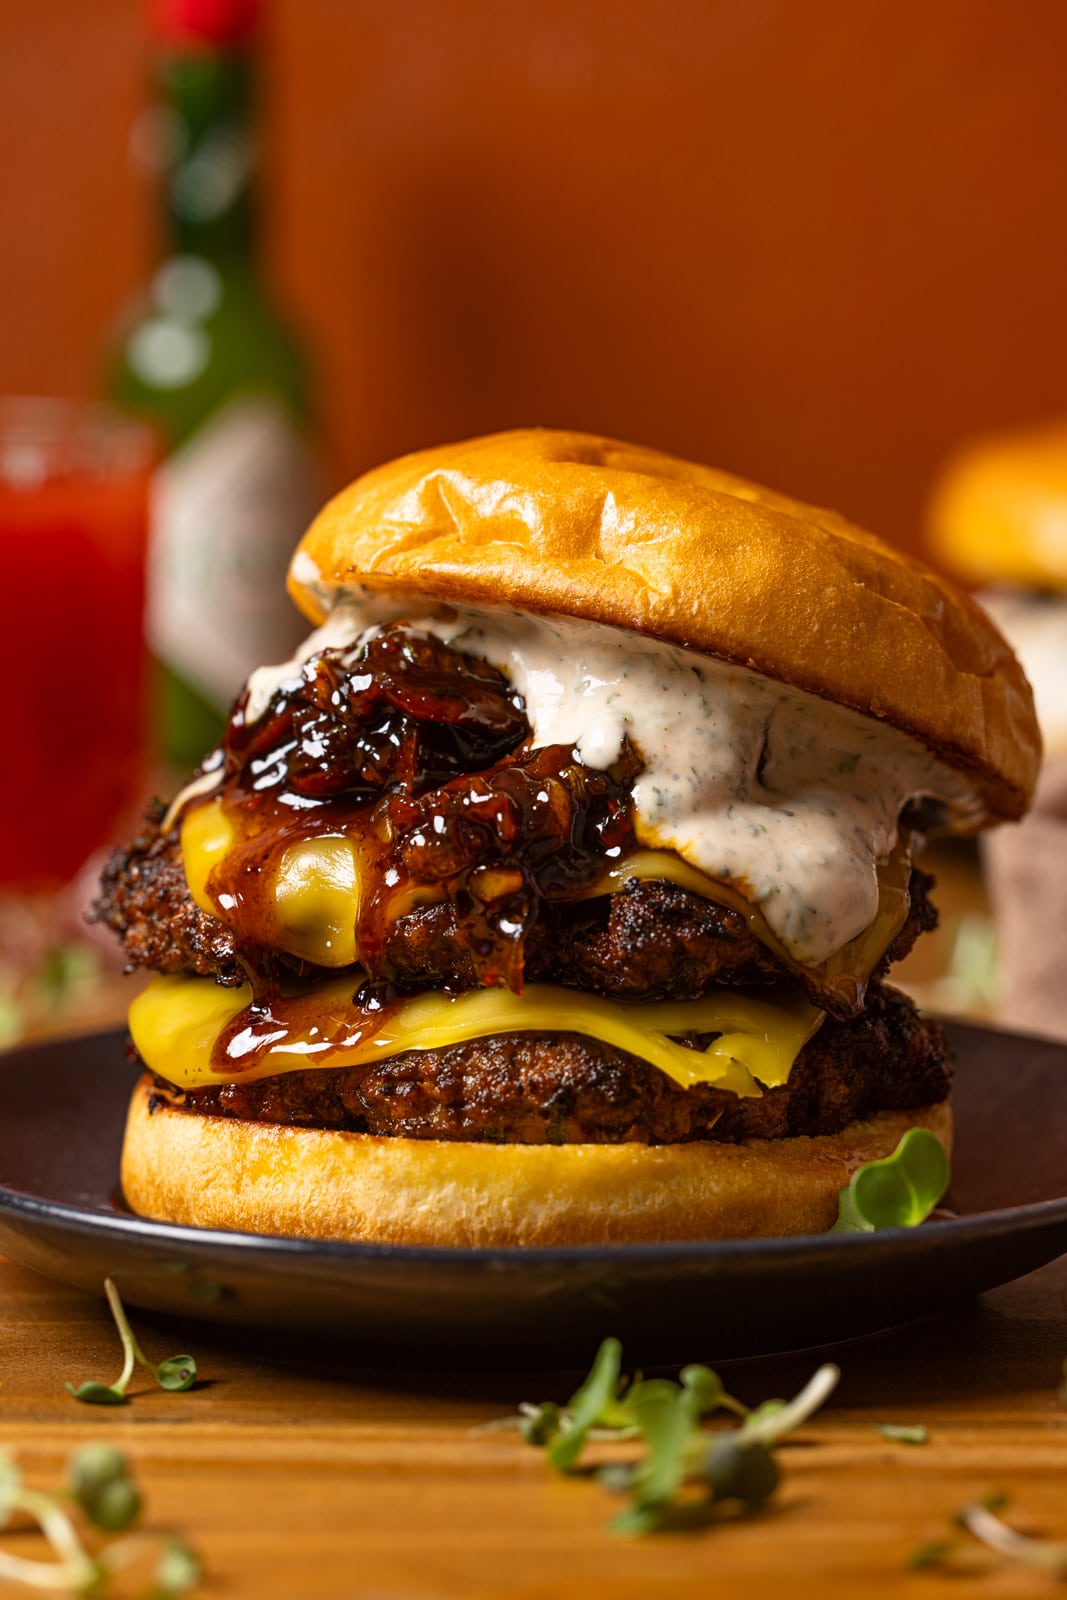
998 519
546 896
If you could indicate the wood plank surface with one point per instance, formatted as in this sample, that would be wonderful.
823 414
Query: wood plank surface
297 1473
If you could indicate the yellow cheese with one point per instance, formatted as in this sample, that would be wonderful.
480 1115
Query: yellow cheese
207 836
176 1022
662 866
316 891
316 898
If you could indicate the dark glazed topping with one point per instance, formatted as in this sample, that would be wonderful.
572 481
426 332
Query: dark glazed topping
403 709
417 754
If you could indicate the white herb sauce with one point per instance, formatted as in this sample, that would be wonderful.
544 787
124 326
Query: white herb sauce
788 797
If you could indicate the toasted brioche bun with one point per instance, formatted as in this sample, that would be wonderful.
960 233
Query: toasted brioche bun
999 511
219 1172
583 526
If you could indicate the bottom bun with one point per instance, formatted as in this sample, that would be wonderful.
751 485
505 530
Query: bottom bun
257 1177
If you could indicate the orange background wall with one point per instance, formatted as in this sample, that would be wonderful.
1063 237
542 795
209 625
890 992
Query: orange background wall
815 241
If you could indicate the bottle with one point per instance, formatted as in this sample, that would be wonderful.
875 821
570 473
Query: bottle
204 355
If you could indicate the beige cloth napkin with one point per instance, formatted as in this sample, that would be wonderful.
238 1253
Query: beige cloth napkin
1027 874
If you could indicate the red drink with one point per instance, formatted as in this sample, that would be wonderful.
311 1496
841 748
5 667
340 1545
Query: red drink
73 497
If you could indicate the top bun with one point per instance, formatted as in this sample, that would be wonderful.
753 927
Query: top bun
999 512
574 524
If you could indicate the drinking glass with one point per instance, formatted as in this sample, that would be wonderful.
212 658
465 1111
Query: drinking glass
73 737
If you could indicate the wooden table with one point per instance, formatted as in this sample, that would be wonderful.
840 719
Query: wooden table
296 1474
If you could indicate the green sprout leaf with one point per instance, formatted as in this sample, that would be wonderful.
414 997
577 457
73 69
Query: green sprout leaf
684 1471
707 1390
764 1413
115 1508
933 1554
539 1424
178 1570
899 1191
100 1482
175 1373
592 1403
98 1394
666 1415
903 1433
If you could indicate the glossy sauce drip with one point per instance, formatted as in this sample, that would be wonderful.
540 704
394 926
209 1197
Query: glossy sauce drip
277 1021
415 758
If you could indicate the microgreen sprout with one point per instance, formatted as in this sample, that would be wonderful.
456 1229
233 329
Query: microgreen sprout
900 1191
980 1518
931 1554
175 1373
684 1469
100 1488
99 1481
903 1432
177 1571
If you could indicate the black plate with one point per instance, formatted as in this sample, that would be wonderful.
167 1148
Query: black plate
60 1130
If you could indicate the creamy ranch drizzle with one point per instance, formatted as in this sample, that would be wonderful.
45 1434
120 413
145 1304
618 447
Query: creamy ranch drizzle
788 797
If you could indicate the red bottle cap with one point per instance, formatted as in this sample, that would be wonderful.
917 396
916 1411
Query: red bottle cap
219 24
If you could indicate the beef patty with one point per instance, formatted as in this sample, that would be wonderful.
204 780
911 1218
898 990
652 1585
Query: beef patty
540 1088
653 940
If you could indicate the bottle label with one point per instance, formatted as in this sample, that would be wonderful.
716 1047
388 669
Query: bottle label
227 511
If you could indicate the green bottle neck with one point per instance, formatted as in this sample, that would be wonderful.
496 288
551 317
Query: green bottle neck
209 173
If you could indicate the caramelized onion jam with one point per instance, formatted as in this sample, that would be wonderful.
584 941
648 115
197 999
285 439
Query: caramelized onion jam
416 757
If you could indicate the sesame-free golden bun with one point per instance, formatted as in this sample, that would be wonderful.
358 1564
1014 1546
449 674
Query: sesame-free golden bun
221 1172
578 525
998 513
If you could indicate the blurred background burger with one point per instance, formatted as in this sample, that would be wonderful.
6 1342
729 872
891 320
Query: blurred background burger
998 517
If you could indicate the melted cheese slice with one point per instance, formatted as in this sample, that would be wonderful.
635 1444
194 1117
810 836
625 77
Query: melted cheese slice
316 891
176 1022
207 837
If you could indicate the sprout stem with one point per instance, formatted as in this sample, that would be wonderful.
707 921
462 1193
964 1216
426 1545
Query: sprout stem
124 1552
814 1393
728 1403
1008 1542
46 1574
72 1570
56 1526
129 1344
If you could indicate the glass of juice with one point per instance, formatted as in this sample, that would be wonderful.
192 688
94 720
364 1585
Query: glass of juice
73 517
